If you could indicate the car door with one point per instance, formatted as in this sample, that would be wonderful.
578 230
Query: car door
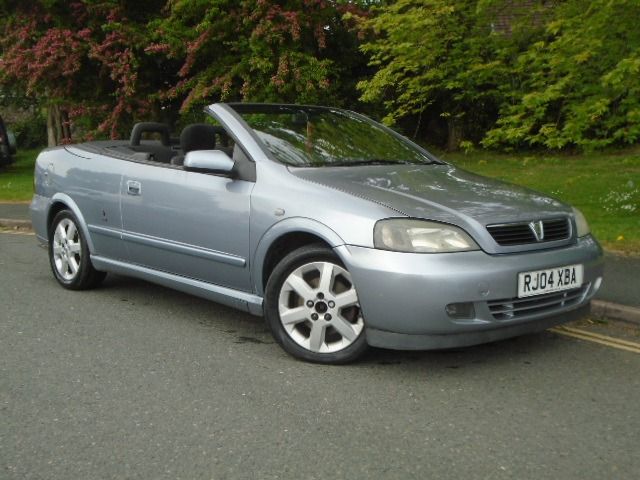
191 224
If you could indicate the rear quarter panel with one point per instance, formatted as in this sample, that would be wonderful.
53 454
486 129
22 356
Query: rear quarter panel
86 183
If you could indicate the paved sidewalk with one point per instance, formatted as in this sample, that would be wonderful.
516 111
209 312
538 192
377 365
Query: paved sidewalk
621 280
621 285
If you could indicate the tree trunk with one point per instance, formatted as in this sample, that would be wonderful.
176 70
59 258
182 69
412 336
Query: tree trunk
58 127
52 140
58 123
453 135
66 126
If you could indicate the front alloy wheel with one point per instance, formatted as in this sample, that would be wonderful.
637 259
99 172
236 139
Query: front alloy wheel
317 316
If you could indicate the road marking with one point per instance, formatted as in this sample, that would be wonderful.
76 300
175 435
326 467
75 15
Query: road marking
597 338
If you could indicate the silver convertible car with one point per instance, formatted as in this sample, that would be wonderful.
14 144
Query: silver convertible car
341 232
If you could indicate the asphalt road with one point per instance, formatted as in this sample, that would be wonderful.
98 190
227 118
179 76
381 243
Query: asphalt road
137 381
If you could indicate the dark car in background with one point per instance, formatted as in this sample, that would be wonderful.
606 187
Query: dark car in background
7 144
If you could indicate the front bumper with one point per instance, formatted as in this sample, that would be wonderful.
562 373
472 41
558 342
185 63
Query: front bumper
403 296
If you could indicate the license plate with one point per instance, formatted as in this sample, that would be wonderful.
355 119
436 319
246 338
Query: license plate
550 280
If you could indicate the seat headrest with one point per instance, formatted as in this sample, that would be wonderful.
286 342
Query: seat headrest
152 127
198 136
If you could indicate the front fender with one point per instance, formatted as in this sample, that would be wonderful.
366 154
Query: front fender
284 227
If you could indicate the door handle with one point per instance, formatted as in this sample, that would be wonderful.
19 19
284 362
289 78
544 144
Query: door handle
134 188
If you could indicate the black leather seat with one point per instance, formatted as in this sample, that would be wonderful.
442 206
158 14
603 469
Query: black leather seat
198 136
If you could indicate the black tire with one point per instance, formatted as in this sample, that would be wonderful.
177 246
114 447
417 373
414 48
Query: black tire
74 251
293 261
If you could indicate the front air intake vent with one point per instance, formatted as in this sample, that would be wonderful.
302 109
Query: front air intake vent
516 308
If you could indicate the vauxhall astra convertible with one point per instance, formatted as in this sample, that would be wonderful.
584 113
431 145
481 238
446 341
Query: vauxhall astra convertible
341 232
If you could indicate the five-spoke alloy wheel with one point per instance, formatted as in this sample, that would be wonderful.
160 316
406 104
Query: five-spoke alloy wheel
312 307
69 254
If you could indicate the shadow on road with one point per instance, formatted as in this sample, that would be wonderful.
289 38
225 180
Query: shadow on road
243 328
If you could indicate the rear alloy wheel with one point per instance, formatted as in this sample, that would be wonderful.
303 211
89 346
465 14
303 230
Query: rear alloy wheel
69 254
313 309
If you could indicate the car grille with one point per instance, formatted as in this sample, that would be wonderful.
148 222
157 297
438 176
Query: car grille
515 308
521 233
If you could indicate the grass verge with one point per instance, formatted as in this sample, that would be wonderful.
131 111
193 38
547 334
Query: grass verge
16 180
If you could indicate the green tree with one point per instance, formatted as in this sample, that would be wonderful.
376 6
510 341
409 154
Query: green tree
578 84
437 58
291 50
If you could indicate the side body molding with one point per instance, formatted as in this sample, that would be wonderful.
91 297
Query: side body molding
284 227
234 298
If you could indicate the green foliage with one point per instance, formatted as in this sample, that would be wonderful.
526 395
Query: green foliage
578 84
291 51
560 75
434 56
30 132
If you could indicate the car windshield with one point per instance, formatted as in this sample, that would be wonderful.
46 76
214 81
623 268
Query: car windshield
304 136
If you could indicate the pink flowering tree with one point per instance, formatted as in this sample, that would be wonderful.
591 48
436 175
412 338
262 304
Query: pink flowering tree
79 60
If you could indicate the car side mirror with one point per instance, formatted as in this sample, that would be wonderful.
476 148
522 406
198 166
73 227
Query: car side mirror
13 146
209 161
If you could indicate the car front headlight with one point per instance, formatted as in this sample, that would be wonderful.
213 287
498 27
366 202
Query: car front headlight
581 223
420 236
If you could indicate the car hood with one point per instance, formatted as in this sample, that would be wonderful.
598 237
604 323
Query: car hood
438 192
